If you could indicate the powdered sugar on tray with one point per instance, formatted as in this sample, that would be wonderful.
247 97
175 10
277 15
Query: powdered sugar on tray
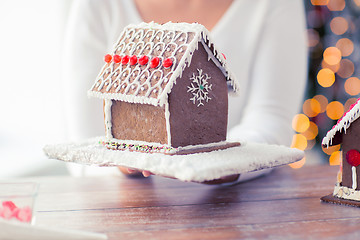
197 167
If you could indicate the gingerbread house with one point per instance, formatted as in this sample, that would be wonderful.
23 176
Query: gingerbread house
164 86
347 133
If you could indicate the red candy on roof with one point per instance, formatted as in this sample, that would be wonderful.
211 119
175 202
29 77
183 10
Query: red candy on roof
154 62
107 58
133 60
167 63
125 59
143 60
117 59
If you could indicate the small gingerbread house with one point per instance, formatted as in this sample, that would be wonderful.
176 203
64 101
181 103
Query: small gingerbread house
164 86
347 133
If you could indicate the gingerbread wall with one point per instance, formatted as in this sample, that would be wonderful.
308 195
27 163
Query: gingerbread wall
351 140
141 122
191 124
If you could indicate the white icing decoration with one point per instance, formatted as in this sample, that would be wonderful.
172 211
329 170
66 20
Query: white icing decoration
354 181
343 124
346 192
183 37
167 122
200 87
107 113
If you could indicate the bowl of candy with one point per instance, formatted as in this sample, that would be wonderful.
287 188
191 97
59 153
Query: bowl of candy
17 201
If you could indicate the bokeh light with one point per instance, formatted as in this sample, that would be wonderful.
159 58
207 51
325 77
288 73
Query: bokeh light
311 132
336 5
298 164
346 68
348 103
339 25
335 110
299 141
323 102
319 2
333 68
300 123
311 107
332 55
326 77
352 86
331 149
346 46
335 158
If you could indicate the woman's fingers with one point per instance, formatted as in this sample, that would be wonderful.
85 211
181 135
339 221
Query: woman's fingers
134 172
147 173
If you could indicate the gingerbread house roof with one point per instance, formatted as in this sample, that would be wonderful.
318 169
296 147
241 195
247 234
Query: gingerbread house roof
148 58
333 136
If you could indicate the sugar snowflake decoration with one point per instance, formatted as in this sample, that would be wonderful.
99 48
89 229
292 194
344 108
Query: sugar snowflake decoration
200 88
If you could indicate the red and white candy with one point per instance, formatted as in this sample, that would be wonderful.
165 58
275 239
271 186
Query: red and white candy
8 210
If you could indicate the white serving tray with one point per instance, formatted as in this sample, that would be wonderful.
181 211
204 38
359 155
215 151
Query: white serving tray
197 167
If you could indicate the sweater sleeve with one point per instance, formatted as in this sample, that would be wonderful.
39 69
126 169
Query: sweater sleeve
277 78
86 43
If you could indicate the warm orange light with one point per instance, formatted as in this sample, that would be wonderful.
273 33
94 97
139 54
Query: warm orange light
346 46
311 132
298 164
300 123
299 141
346 68
319 2
335 158
323 102
311 107
336 5
332 55
326 77
333 68
357 2
335 110
339 25
348 103
331 149
352 86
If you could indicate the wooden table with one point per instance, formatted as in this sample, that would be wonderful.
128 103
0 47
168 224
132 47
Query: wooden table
283 205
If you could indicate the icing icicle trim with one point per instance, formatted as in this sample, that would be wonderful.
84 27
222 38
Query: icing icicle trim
343 123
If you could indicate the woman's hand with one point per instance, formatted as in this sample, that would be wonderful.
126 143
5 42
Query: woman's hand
134 172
